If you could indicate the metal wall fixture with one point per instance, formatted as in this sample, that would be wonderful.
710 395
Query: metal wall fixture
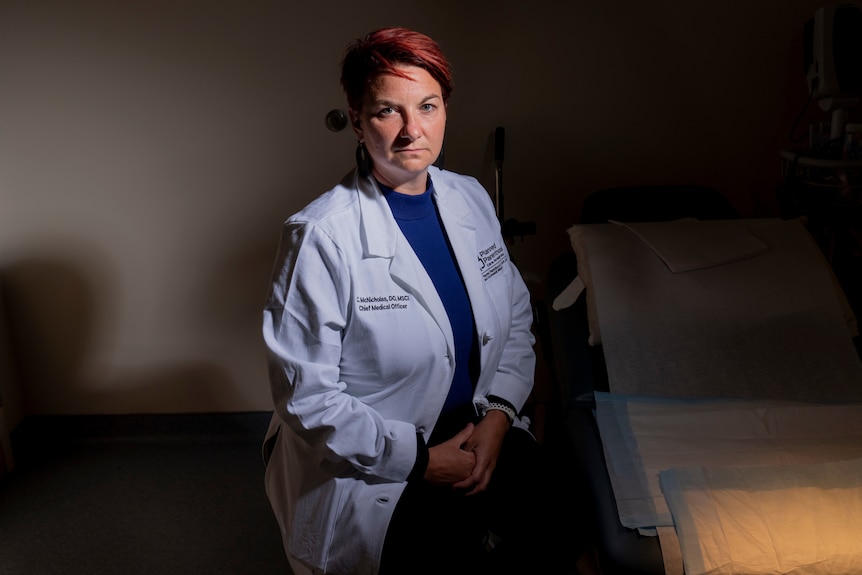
336 120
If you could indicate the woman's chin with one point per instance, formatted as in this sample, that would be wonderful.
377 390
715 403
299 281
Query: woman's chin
405 170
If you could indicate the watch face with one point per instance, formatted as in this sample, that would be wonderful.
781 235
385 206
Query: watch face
336 120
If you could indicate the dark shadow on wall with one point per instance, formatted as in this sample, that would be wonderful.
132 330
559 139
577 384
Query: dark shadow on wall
236 289
50 313
167 388
53 312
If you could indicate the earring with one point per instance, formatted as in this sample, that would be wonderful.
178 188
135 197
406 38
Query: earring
363 161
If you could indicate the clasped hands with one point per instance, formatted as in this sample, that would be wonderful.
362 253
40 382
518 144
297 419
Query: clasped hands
467 461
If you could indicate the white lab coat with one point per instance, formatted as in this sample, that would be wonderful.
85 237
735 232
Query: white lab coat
361 356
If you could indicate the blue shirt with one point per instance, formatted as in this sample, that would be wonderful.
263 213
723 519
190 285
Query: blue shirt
420 223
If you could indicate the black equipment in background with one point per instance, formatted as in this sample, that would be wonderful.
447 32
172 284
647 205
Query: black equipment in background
511 228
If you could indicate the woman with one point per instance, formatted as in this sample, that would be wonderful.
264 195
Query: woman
399 345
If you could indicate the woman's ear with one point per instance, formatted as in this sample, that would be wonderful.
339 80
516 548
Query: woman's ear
355 122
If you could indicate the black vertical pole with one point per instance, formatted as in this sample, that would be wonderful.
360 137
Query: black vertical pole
499 145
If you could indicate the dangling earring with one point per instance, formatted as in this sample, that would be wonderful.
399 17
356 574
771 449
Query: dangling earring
363 162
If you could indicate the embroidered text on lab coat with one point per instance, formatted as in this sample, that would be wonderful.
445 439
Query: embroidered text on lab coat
382 302
491 260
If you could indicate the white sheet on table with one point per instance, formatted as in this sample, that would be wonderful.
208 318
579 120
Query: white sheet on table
768 520
689 244
642 436
768 325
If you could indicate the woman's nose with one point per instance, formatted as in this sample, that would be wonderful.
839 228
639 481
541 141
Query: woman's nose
411 129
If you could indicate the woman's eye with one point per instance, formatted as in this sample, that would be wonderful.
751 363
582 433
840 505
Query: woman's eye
428 107
386 111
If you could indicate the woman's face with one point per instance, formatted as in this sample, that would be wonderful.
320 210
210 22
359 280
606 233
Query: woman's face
402 123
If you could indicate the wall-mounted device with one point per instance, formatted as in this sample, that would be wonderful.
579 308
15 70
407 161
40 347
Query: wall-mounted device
335 120
832 47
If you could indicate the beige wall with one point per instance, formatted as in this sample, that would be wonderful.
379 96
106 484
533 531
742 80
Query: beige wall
149 150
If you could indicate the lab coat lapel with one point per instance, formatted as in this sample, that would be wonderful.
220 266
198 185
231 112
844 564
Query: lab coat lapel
457 219
381 237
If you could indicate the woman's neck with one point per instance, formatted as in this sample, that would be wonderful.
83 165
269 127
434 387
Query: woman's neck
413 186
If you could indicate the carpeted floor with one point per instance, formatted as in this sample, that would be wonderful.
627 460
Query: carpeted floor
139 494
145 495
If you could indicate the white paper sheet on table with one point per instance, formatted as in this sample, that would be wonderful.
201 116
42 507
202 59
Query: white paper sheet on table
642 436
690 244
800 519
766 324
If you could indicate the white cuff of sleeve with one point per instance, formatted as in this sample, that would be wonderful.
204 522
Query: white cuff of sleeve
510 413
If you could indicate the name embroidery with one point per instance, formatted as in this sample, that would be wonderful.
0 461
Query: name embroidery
491 260
382 302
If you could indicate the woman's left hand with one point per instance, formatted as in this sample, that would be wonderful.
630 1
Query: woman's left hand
485 443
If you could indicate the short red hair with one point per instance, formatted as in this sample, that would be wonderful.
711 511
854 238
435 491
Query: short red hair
384 49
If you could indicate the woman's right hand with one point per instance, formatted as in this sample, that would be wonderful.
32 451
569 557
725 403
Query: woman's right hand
448 463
